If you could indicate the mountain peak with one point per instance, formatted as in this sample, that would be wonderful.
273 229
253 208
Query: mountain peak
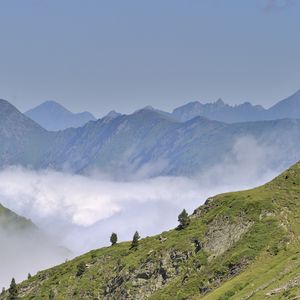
53 116
112 115
220 102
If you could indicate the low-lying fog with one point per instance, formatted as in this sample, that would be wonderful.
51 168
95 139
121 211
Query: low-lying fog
81 212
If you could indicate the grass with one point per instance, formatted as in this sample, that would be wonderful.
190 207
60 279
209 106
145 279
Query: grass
262 259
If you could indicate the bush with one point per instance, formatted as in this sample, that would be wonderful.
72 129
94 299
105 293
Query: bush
81 267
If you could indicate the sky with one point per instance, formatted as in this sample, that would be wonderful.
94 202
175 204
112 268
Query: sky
101 55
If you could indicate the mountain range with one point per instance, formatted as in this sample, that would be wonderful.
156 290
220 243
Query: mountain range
145 143
287 108
53 116
239 245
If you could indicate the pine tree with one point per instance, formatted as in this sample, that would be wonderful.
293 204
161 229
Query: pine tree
28 276
113 238
183 219
135 240
13 290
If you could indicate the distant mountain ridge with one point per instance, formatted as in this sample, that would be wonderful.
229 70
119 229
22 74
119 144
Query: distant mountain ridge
146 143
287 108
53 116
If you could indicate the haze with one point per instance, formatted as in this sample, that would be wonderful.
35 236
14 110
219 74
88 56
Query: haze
104 55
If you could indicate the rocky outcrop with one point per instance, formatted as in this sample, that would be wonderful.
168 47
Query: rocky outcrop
223 233
148 278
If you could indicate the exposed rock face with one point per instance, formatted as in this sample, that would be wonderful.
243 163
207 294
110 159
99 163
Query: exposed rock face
223 234
160 268
149 277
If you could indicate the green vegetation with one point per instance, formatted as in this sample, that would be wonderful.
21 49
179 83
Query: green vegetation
51 295
81 267
113 238
11 221
13 290
183 219
135 240
241 245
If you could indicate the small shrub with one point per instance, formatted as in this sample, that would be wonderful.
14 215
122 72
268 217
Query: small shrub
81 267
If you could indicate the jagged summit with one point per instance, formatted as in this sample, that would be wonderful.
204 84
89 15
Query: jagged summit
220 111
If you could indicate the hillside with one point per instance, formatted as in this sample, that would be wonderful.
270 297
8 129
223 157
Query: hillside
53 116
147 143
25 248
22 141
240 245
10 221
286 108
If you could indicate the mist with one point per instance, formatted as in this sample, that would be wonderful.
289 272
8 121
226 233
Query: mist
27 252
81 211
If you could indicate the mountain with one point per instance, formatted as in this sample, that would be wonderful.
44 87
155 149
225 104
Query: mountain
144 144
220 111
239 245
10 221
22 141
53 116
25 248
287 108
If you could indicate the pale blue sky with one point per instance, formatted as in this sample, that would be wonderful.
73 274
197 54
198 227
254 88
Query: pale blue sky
101 55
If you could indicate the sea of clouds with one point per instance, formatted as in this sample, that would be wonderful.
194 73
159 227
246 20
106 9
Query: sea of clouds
81 211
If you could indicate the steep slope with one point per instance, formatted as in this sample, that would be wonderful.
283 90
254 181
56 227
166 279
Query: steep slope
287 108
25 248
241 245
53 116
10 221
147 143
118 145
22 141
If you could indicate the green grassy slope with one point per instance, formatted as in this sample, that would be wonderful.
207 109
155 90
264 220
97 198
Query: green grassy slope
241 245
11 221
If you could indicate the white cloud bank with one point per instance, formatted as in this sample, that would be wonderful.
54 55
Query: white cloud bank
82 211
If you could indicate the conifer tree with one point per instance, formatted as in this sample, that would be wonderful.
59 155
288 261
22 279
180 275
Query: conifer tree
135 240
183 219
13 290
113 238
